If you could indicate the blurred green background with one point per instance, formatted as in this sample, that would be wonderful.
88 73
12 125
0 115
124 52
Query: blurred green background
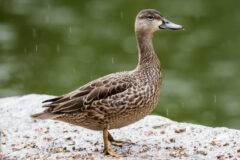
53 47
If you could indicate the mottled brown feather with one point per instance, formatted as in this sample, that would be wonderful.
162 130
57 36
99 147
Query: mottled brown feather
94 91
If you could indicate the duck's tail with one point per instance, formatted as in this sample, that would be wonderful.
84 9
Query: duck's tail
43 115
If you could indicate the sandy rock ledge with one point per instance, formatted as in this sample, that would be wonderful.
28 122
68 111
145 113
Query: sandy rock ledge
155 137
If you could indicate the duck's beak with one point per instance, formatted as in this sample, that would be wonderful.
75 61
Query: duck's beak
166 24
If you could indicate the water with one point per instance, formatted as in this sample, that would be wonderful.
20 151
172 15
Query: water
53 47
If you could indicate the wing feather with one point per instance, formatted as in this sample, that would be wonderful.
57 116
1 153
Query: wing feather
97 90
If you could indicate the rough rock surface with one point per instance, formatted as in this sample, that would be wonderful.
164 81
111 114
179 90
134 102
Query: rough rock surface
155 137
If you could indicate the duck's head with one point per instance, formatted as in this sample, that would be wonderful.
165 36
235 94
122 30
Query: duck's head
150 20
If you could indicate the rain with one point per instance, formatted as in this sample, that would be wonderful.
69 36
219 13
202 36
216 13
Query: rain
80 41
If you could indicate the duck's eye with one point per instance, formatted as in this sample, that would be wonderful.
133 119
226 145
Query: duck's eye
150 17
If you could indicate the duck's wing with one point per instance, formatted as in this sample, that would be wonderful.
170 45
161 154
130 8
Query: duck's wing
94 91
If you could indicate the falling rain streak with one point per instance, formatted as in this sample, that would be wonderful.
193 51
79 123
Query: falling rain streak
58 48
183 104
25 50
36 48
188 58
215 99
48 6
34 33
167 112
47 19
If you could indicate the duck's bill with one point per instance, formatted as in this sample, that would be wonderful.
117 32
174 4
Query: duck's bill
166 24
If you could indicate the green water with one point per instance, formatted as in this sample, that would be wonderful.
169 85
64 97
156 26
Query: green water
53 47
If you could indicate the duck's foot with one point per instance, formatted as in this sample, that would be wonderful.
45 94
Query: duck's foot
119 142
107 151
116 142
112 153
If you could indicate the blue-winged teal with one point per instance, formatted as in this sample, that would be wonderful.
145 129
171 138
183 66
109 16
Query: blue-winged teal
118 99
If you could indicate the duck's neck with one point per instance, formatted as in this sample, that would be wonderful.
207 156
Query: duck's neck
146 53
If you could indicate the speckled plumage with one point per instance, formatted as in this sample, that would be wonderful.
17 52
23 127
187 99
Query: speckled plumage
113 101
118 99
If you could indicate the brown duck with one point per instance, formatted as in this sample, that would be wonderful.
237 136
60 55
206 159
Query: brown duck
118 99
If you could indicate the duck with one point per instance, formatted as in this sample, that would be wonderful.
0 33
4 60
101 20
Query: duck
119 99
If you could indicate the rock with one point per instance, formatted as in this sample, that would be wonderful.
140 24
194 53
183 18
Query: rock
155 137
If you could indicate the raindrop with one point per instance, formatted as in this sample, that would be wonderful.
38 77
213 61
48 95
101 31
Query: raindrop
48 6
121 15
70 29
183 104
74 70
34 33
167 112
47 19
58 48
36 48
215 99
112 59
25 50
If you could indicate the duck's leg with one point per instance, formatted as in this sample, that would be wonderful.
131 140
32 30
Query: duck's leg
107 150
115 142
